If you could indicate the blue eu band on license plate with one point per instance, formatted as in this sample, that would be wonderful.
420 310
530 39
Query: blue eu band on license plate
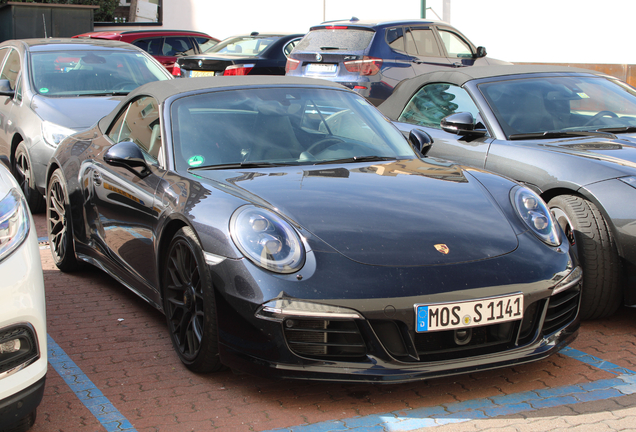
470 313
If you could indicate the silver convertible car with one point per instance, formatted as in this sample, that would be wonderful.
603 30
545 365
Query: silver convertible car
51 88
568 134
286 228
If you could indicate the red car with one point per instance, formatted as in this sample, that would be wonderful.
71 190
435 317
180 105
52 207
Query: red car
164 45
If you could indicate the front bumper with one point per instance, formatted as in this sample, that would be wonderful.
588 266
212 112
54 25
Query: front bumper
382 343
16 407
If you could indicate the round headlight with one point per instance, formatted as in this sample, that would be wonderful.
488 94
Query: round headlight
534 212
267 240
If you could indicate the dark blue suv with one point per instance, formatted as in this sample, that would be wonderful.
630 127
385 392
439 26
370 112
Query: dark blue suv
372 57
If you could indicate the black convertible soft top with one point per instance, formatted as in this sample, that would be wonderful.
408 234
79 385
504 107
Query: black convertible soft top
162 90
392 107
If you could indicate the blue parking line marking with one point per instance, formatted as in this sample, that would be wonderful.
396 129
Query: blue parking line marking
410 419
86 391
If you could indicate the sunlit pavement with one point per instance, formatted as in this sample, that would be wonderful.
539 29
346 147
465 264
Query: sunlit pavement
112 368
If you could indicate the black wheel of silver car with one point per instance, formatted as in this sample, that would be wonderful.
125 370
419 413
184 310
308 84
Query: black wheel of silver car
58 223
588 232
24 175
188 299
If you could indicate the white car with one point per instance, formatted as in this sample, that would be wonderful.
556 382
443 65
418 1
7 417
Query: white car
23 355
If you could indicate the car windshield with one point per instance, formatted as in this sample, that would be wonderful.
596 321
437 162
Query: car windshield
561 104
335 40
87 73
243 45
281 126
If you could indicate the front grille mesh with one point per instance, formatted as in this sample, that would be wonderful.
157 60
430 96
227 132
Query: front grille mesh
562 309
324 338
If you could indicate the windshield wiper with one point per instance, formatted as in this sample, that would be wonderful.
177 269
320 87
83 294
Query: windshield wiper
357 159
619 130
105 93
558 134
331 48
237 165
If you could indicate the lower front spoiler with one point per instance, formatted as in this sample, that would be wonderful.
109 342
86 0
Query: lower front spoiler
17 406
394 372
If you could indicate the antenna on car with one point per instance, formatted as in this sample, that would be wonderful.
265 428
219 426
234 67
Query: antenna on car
254 34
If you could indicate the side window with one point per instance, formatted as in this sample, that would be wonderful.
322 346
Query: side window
205 43
456 47
289 47
139 123
425 43
151 45
11 68
433 102
395 38
177 46
3 54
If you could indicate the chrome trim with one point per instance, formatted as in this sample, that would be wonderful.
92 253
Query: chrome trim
213 259
574 277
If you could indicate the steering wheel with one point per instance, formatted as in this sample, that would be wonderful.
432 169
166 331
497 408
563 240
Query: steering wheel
600 114
323 145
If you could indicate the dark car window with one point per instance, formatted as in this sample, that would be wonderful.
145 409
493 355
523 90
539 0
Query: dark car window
336 40
433 102
424 41
243 45
289 47
11 68
395 38
545 104
178 46
152 46
139 123
64 73
275 125
455 45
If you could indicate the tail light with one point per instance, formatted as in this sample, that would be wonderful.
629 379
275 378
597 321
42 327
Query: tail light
176 70
292 64
366 67
239 69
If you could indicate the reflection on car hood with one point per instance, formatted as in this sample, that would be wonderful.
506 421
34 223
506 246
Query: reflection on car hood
388 213
77 112
619 151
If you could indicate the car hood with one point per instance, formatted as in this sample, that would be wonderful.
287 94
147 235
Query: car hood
621 151
77 112
402 213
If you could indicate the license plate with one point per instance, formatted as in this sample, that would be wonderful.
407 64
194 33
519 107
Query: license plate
201 73
470 313
321 68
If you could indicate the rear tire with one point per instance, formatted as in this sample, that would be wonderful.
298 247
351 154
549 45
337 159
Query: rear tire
189 304
23 173
588 232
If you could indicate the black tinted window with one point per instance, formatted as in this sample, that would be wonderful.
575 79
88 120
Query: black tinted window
336 40
395 38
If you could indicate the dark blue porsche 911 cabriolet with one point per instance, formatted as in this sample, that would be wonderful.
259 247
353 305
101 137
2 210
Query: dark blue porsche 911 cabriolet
286 228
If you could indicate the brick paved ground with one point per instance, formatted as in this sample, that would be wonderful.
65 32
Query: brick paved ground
122 345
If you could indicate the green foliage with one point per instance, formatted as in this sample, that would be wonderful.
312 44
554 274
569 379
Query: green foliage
105 13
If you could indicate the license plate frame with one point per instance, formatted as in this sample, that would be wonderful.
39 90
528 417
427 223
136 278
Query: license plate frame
468 313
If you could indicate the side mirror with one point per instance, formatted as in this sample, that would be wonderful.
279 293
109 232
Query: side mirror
462 124
481 52
420 140
128 155
5 88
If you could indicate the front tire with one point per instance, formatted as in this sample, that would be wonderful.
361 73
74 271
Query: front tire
587 231
59 224
23 173
189 304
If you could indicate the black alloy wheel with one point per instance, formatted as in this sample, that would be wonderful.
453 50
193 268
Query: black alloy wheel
24 175
189 303
58 224
587 231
